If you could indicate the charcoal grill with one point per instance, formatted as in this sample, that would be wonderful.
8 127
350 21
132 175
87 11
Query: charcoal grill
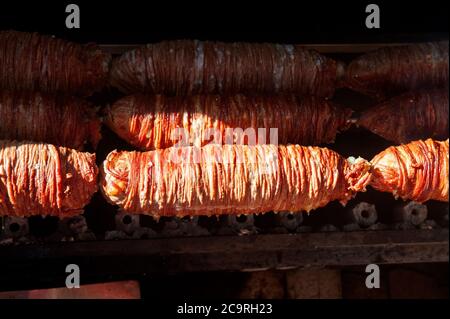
373 228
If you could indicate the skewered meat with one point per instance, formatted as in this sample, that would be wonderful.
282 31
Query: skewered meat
152 122
230 179
41 179
391 70
194 67
29 61
417 171
409 117
63 121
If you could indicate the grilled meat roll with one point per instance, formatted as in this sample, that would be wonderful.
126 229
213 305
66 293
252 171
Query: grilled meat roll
230 179
392 70
60 120
152 122
417 171
408 117
41 179
193 67
33 62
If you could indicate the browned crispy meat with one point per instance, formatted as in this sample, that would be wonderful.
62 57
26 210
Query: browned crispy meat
410 116
230 179
417 171
152 122
392 70
59 120
29 61
41 179
194 67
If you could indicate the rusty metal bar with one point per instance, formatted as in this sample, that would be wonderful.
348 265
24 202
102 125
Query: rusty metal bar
243 252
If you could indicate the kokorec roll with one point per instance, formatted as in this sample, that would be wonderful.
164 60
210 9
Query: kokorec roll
392 70
409 117
41 179
152 122
193 67
60 120
230 179
33 62
417 171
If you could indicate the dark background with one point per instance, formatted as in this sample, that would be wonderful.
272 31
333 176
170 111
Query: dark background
280 21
